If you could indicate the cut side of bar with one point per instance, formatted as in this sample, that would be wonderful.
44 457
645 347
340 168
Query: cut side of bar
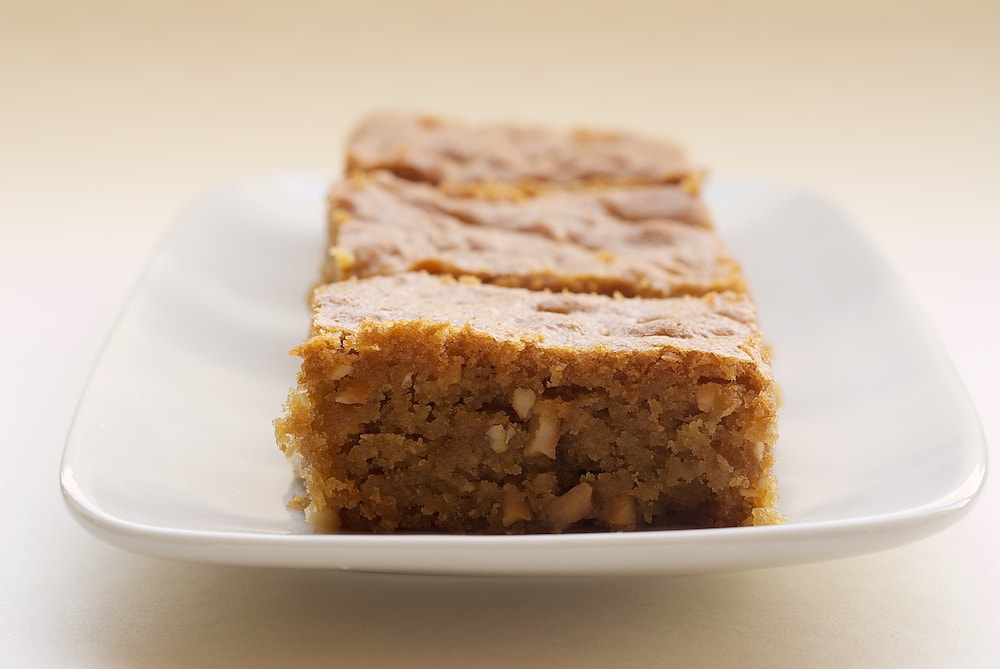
655 241
430 404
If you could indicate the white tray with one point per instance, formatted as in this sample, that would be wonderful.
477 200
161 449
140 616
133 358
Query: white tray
172 454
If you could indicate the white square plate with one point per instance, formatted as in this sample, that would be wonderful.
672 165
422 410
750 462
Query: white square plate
172 453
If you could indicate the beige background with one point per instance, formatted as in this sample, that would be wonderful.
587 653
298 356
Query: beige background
115 115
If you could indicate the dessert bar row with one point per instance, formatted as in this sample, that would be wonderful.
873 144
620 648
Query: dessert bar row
527 330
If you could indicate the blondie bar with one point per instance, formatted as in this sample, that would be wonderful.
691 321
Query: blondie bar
430 404
511 157
654 241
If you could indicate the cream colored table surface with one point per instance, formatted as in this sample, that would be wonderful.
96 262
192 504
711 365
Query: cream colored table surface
115 115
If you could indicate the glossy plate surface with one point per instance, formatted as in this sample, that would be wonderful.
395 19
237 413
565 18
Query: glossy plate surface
172 454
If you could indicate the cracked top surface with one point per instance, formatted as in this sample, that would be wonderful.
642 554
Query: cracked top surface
653 241
450 153
723 325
